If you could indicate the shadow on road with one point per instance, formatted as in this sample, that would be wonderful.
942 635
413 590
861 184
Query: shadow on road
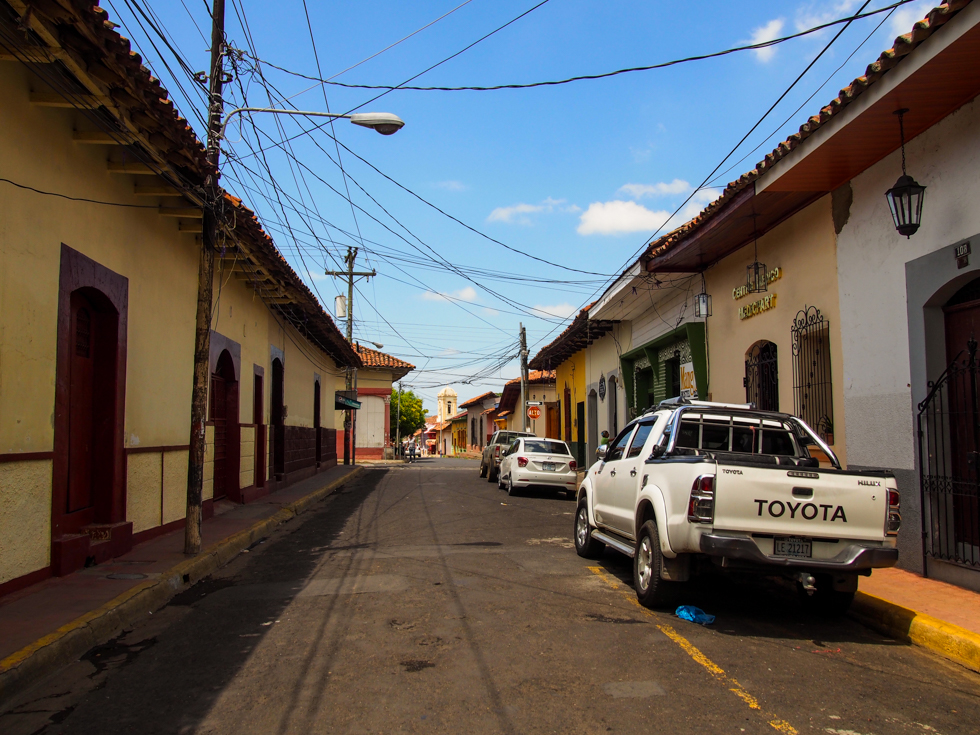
750 605
172 680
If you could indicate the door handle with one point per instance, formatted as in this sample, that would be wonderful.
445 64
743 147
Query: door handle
633 472
612 473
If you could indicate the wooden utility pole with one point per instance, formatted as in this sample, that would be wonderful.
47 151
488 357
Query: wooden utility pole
205 281
350 448
523 378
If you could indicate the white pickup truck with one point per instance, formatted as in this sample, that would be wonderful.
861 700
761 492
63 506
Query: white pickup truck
693 485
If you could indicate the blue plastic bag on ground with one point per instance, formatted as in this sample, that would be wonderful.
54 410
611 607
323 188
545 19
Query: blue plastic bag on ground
694 615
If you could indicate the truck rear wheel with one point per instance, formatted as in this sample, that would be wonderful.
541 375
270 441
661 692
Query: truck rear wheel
585 546
651 590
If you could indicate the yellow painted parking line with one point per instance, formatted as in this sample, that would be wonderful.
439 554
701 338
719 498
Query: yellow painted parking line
691 650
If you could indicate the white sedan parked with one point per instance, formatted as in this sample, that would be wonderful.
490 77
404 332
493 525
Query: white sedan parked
531 461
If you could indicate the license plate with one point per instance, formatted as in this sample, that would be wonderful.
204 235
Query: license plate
548 466
792 546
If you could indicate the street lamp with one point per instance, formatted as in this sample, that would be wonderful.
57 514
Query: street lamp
905 198
385 123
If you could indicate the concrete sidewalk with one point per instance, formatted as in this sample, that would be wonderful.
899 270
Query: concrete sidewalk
53 622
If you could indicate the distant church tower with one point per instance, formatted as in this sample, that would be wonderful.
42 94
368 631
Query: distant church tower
447 404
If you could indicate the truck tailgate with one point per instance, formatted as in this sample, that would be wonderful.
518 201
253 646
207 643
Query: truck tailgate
784 501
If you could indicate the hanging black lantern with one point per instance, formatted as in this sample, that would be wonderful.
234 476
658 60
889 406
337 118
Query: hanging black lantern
905 198
702 305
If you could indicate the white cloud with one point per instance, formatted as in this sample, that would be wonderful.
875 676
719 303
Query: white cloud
661 188
490 312
446 353
820 12
464 294
562 311
766 33
451 185
620 217
518 213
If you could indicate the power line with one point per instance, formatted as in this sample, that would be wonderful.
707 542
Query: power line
603 75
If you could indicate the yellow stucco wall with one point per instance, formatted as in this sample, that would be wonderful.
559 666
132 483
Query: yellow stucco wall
571 374
161 265
25 517
805 248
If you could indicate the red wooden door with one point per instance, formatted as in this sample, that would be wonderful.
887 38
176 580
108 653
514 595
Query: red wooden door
258 416
81 411
962 325
219 417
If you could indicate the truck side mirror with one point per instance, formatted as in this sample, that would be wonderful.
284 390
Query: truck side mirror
600 452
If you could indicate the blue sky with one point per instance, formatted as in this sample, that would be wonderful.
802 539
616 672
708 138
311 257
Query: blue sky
580 175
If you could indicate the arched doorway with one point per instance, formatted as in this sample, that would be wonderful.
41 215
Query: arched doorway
92 351
613 397
224 418
278 421
593 420
258 417
762 376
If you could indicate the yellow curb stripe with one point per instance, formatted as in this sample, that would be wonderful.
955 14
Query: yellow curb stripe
691 650
948 640
196 568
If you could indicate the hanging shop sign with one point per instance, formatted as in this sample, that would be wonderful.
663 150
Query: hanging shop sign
602 387
739 291
689 386
757 307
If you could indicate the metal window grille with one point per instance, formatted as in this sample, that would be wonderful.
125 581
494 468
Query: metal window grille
949 454
762 377
812 386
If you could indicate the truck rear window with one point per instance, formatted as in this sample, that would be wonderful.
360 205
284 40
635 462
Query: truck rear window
737 434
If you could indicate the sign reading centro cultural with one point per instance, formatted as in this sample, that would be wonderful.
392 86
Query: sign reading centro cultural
689 386
740 291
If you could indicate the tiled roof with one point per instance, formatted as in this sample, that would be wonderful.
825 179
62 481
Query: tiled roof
478 399
903 45
535 376
79 35
304 312
578 335
459 417
443 425
374 359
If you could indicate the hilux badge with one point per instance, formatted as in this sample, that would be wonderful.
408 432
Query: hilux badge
870 483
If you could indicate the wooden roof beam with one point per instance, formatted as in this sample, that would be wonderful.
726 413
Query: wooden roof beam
156 190
186 212
98 137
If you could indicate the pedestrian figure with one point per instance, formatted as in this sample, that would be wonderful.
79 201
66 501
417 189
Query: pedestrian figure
605 439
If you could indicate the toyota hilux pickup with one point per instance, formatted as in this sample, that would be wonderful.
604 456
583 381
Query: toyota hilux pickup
691 486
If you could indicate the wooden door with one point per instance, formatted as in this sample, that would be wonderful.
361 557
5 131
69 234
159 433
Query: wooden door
258 417
553 421
81 411
219 418
316 419
278 420
962 325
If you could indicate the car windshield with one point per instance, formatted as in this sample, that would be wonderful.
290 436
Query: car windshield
540 446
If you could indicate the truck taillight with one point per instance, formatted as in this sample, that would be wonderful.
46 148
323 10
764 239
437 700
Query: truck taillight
496 451
701 507
522 461
893 521
572 464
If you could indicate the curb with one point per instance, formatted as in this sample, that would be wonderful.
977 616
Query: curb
20 670
906 625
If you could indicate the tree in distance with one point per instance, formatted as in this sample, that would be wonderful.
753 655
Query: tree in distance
412 413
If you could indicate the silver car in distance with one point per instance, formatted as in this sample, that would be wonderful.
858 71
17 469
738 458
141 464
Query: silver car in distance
530 461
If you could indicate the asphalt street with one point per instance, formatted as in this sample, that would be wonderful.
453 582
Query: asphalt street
421 598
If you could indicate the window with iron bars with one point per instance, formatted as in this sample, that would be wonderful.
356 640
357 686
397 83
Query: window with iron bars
812 384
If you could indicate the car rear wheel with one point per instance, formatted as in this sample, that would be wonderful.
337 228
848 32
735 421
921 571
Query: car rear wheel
651 590
492 473
511 490
585 546
483 470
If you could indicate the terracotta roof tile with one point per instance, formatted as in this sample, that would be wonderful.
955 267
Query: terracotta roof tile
481 397
374 359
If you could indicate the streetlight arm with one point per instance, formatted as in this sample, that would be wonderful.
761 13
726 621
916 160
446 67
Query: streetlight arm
274 111
383 122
